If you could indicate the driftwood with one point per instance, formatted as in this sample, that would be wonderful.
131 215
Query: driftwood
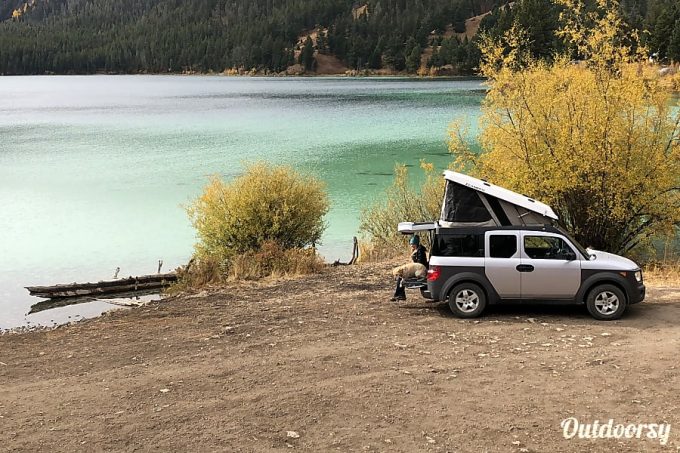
355 255
123 285
109 299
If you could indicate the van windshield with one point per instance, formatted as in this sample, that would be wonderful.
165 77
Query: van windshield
580 248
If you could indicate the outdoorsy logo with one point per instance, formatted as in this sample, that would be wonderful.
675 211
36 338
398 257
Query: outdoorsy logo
572 428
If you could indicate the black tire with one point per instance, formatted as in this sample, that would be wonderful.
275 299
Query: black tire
606 302
467 300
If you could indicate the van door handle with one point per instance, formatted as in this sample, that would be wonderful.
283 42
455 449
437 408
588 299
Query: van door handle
525 268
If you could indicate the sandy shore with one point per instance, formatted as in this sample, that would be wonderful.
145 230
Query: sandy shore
328 359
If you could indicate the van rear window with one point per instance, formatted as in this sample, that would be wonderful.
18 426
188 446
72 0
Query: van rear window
502 246
461 245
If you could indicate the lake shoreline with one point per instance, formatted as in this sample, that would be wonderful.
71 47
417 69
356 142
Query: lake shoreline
413 77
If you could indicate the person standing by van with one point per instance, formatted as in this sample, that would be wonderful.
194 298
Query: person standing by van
418 255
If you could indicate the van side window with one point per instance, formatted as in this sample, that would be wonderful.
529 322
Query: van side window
545 247
459 245
502 246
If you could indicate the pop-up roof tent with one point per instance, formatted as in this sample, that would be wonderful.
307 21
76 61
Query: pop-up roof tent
470 201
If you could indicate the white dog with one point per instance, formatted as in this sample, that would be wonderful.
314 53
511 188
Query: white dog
410 270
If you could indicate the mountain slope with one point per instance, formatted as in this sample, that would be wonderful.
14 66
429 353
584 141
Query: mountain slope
137 36
85 36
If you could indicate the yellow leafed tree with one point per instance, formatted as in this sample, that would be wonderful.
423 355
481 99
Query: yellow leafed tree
597 138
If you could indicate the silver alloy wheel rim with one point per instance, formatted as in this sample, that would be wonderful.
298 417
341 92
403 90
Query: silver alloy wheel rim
606 303
467 301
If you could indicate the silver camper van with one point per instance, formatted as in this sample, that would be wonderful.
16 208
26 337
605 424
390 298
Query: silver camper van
492 245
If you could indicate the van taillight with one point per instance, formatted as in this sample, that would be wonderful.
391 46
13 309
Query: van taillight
433 273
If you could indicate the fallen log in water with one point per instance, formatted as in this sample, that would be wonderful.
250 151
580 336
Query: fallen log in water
124 299
123 285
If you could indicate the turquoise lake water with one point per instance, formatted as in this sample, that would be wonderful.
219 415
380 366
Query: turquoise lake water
94 170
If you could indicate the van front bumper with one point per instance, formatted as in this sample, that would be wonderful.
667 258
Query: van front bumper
638 294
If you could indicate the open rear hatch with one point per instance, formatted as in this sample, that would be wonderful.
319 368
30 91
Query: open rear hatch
416 227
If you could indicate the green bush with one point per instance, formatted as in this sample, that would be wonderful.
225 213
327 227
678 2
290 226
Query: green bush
273 206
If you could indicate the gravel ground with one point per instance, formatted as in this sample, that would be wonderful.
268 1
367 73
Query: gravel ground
325 363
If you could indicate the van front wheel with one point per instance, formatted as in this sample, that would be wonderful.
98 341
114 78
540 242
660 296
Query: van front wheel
467 300
606 302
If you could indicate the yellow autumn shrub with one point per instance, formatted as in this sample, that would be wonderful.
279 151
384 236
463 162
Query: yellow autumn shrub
272 207
597 139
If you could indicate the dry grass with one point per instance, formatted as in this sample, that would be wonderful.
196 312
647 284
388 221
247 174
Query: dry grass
275 261
666 274
198 274
376 252
271 260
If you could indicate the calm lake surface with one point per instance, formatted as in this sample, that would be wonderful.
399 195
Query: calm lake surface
94 170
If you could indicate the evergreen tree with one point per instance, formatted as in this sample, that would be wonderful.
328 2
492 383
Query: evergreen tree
307 55
674 44
413 59
459 18
435 59
321 42
663 30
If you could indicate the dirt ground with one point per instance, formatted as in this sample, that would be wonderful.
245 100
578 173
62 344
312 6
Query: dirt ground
325 363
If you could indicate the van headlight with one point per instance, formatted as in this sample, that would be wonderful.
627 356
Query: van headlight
638 276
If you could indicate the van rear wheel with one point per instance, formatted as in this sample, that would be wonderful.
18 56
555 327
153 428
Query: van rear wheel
467 300
606 302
